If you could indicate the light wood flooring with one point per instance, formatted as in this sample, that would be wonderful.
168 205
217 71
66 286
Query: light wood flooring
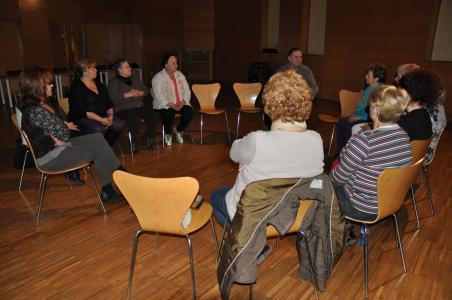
78 253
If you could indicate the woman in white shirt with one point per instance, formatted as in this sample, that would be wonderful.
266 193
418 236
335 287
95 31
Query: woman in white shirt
172 95
288 150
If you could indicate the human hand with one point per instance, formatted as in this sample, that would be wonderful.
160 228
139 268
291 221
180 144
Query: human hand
72 126
353 118
57 142
104 121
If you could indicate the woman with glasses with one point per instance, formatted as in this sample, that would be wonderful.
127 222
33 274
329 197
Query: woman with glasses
50 138
90 106
127 93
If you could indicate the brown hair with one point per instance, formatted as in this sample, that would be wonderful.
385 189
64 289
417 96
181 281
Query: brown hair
287 97
82 65
389 102
33 82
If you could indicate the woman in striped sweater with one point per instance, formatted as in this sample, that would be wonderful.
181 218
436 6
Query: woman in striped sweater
367 154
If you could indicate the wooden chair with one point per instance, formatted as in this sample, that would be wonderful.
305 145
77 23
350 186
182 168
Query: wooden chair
18 127
247 94
392 187
348 101
206 95
273 233
46 173
160 205
419 149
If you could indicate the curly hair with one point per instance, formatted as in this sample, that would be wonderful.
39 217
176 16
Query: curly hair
287 97
33 82
423 86
379 71
389 102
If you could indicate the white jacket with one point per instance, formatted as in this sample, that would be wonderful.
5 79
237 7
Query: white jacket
164 89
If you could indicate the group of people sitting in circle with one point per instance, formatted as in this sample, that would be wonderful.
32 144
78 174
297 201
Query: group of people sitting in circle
410 109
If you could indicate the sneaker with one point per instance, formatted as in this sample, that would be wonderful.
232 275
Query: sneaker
264 254
168 140
112 197
179 136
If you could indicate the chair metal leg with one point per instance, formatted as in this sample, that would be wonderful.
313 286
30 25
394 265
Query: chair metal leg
310 264
365 232
23 169
399 241
238 125
192 266
201 123
42 187
429 188
227 124
130 144
415 207
88 170
331 139
132 261
221 241
214 233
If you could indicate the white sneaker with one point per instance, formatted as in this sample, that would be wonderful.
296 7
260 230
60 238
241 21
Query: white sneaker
179 136
168 140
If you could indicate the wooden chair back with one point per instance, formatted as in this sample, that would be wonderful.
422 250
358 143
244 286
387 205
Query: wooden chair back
392 188
349 100
64 104
302 209
419 148
247 94
159 204
206 95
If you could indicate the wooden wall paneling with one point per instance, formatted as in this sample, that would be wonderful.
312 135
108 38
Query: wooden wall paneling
199 25
237 39
9 10
10 47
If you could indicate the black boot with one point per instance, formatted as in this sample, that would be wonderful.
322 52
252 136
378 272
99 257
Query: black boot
74 177
111 136
109 195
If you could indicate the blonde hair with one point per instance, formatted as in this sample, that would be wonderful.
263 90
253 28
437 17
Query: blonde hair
405 69
287 97
83 65
389 102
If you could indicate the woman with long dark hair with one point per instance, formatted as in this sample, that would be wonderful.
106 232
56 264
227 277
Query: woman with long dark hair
50 138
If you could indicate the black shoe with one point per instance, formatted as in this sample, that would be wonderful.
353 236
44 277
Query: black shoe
74 177
350 239
112 197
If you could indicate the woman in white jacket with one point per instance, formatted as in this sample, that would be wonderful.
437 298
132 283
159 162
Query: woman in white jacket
172 95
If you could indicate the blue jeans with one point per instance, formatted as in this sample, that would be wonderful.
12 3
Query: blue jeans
220 210
347 208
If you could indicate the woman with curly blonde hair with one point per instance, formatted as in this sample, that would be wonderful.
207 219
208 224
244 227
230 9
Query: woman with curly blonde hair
288 150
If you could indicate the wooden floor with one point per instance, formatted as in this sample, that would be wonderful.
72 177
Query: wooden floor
78 253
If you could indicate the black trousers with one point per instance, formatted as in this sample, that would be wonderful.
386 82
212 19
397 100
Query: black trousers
344 132
133 118
167 116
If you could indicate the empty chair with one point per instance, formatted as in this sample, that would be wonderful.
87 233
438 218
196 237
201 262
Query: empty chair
160 205
247 94
392 187
348 101
207 95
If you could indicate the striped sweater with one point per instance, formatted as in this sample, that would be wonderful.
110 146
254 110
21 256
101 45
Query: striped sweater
362 160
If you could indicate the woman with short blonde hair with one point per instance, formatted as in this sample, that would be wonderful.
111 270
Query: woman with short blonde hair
288 150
